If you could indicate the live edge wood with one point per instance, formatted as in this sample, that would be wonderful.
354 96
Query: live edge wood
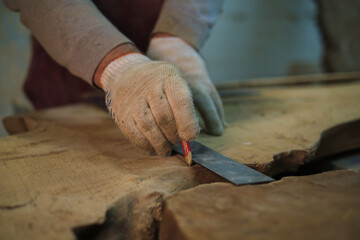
68 168
265 122
296 80
321 206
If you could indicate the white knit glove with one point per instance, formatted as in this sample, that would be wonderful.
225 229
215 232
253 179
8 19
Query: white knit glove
177 52
150 102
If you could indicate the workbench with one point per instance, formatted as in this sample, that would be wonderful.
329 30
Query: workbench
68 172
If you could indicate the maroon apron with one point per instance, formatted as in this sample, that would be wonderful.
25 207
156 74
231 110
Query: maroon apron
48 84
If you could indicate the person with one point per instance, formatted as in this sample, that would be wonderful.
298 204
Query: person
150 96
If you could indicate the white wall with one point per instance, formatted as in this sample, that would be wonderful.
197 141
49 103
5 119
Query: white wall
14 58
263 38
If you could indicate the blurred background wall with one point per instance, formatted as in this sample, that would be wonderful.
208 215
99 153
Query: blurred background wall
252 38
14 58
259 38
339 24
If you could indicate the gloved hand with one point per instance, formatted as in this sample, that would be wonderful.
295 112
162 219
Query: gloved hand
150 102
206 98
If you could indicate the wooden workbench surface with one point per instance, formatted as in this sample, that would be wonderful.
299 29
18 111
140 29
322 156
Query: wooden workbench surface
320 206
66 168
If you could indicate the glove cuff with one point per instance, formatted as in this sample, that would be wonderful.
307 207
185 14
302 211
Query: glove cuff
118 66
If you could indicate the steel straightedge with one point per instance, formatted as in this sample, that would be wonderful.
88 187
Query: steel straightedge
233 171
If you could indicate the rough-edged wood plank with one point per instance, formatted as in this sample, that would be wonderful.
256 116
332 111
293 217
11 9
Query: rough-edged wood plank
342 138
324 78
265 122
72 166
73 163
321 206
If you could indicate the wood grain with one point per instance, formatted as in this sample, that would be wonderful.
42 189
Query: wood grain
70 167
321 206
264 122
297 80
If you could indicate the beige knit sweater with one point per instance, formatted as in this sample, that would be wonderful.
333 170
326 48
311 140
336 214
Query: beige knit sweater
78 36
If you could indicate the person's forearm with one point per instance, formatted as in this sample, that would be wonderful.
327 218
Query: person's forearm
190 20
73 32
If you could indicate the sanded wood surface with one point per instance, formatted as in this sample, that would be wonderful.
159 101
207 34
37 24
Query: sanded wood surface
321 206
72 165
65 168
264 122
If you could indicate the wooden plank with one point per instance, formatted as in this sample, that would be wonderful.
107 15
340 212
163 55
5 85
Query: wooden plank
73 165
67 167
311 79
267 121
321 206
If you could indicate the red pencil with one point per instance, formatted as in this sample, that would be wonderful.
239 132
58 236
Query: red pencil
187 152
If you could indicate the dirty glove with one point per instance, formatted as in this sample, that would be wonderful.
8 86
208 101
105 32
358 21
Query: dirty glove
150 102
207 101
